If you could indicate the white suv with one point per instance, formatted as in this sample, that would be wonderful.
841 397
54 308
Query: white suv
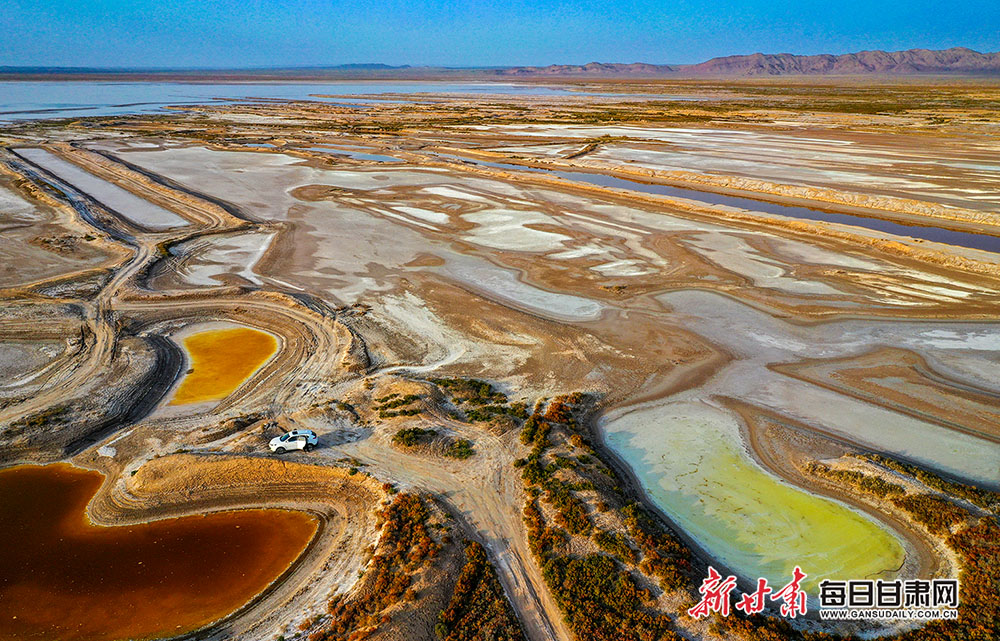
294 440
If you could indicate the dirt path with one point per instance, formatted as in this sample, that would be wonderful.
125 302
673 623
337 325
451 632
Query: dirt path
487 495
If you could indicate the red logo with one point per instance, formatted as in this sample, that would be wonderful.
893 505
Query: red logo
715 596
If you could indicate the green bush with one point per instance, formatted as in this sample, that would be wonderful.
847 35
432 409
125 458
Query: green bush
615 544
471 390
460 449
398 402
571 512
411 436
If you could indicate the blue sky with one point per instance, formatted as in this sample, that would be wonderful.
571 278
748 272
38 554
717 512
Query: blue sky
229 33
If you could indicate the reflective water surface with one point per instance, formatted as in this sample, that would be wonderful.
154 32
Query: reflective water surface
63 578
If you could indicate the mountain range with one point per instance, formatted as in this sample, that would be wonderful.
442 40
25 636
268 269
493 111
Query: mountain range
957 60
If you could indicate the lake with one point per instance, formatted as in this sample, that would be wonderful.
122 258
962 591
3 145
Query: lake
33 100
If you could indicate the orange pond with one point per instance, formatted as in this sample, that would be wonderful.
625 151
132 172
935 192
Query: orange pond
221 359
63 578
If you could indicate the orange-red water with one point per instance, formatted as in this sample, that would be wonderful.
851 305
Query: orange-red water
62 578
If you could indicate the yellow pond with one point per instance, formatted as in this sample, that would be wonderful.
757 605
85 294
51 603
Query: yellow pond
688 457
221 359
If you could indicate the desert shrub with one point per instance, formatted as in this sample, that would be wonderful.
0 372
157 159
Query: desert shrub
404 546
482 402
615 544
518 410
541 436
529 429
460 449
571 512
647 531
478 609
559 411
563 462
671 573
413 411
664 556
471 390
864 482
936 514
986 499
398 402
410 436
541 538
533 470
485 413
395 405
978 548
601 602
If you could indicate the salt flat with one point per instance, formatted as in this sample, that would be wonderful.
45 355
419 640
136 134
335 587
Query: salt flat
119 200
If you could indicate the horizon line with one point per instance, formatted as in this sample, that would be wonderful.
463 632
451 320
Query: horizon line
379 66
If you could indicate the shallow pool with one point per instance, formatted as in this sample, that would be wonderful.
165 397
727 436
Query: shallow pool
689 457
65 579
220 360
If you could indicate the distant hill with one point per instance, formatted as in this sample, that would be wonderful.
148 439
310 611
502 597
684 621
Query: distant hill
640 69
955 61
368 65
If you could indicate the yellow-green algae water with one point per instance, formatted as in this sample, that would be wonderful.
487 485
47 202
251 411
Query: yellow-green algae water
221 359
689 457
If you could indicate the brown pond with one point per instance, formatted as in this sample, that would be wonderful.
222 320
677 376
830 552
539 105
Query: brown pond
61 577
